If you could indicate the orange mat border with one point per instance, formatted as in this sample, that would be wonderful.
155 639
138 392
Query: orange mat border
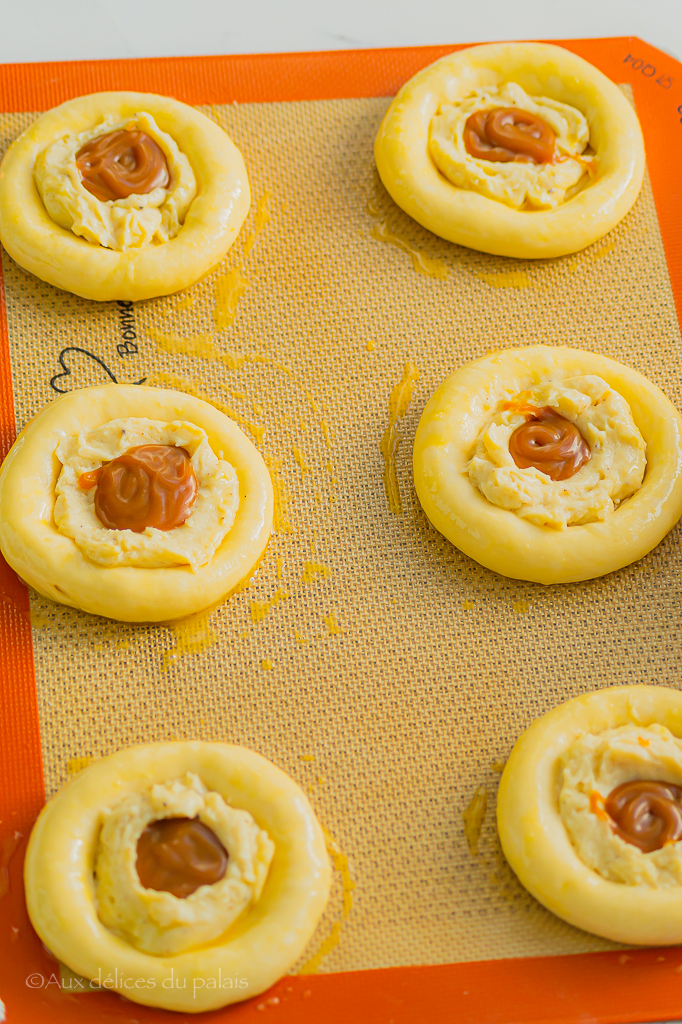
603 988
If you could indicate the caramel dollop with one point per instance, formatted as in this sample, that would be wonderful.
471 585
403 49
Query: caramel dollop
121 164
178 855
150 485
646 814
507 133
549 442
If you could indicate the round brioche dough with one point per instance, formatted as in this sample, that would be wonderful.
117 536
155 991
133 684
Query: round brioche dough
446 439
58 256
263 942
535 840
468 218
53 564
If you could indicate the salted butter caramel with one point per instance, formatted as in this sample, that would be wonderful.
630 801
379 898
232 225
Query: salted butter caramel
150 485
178 855
645 813
121 164
549 442
508 133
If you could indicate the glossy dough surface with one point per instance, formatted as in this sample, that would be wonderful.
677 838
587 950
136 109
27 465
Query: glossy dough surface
447 437
262 944
52 562
477 221
535 840
57 255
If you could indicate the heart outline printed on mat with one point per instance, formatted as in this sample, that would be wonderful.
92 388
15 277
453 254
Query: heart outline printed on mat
67 370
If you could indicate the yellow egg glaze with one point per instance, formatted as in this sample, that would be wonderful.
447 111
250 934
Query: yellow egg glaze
258 948
477 221
52 562
64 259
496 537
535 840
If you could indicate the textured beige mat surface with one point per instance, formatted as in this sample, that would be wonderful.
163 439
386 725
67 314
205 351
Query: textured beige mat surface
384 670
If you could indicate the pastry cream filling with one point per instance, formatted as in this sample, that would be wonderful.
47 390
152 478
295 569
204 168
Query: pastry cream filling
518 184
597 765
120 224
614 471
155 921
193 543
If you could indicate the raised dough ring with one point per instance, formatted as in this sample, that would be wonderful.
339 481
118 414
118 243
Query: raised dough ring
536 841
265 940
57 255
461 214
57 566
454 424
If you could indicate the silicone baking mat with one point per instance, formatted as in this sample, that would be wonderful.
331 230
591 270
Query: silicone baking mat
388 673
